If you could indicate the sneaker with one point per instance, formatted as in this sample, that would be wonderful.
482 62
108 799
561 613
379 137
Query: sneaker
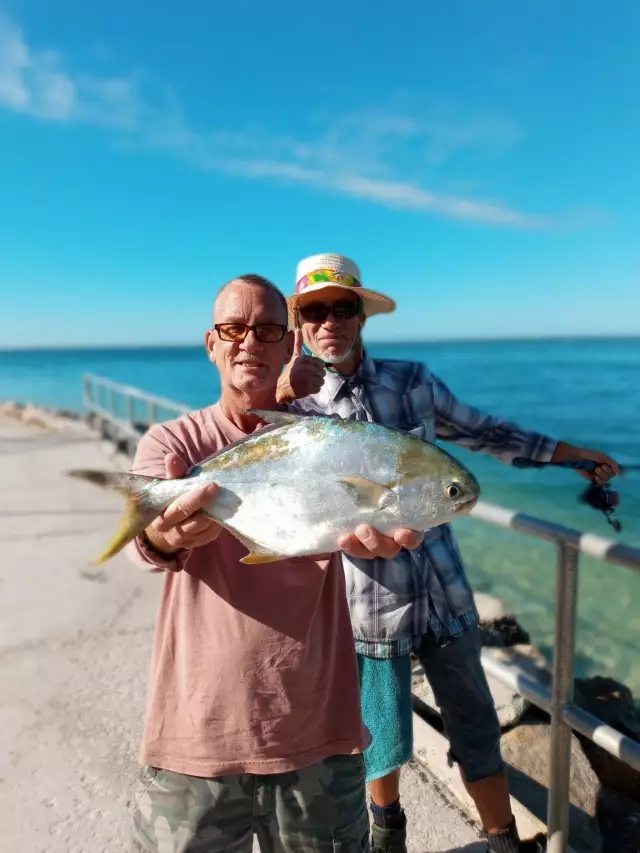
537 844
386 839
508 841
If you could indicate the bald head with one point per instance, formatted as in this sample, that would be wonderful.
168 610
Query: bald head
243 289
250 360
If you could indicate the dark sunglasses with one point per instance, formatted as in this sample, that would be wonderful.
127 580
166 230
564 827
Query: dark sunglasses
266 333
317 312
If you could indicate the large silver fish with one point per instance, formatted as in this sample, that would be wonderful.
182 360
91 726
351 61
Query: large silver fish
296 486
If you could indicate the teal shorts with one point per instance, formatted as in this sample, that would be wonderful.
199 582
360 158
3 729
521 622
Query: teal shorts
387 711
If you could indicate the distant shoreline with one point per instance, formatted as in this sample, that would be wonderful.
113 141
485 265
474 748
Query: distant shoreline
552 339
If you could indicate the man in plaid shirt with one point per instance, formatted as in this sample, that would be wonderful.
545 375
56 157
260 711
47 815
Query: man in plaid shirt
419 601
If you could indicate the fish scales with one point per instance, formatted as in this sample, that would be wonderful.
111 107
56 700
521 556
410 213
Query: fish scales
295 487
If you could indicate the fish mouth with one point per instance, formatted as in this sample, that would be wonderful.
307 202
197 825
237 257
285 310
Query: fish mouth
465 506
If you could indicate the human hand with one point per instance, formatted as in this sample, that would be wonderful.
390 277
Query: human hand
183 525
303 375
606 469
366 542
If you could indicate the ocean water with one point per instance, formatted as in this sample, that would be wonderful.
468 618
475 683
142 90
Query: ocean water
585 392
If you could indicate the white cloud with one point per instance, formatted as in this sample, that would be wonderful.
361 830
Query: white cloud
366 155
37 84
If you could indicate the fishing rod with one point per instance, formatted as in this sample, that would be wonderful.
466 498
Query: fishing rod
601 498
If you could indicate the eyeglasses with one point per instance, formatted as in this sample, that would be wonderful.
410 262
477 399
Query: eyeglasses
317 312
266 333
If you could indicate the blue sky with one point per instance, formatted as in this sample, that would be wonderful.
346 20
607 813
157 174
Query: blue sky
477 159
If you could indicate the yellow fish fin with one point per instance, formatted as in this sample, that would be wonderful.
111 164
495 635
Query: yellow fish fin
256 557
256 554
138 513
135 519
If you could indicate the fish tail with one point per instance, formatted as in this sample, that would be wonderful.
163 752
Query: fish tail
138 513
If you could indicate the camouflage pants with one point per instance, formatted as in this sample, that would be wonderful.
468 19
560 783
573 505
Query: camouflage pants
318 809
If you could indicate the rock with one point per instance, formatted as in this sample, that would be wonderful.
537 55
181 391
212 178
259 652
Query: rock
11 409
526 749
489 609
503 632
497 627
619 822
35 416
66 414
613 703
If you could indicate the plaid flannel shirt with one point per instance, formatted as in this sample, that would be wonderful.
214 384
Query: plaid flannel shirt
393 603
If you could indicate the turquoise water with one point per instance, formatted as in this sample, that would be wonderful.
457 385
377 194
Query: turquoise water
586 392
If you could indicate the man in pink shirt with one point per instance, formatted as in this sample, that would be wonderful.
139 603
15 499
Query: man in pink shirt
253 722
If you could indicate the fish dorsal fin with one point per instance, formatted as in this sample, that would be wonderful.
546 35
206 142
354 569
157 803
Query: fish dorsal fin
278 418
367 494
210 462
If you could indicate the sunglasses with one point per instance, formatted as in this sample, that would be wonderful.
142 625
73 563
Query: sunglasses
317 312
266 333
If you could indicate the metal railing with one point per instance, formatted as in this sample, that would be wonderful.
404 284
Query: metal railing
124 413
115 406
566 716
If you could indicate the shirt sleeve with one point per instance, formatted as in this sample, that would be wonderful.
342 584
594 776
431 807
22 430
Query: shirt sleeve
470 428
149 460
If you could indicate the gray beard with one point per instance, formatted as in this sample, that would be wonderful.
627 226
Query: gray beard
336 359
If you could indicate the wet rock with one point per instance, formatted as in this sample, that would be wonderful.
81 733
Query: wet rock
504 632
613 703
490 609
619 822
497 627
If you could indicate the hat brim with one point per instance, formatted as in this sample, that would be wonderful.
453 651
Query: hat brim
374 303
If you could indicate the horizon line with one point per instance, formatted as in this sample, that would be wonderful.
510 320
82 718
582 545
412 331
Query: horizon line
577 337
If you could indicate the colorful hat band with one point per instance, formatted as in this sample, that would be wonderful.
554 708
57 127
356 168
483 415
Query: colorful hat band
328 277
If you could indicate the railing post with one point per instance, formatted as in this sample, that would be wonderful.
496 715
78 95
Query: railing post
153 413
86 389
128 400
561 695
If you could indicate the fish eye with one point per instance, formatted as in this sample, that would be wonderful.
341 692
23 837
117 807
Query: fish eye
453 491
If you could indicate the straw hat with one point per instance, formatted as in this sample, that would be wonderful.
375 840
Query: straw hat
318 272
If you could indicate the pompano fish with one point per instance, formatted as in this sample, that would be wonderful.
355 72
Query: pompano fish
294 487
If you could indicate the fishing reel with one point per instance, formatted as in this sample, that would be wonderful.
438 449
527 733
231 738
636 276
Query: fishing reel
601 498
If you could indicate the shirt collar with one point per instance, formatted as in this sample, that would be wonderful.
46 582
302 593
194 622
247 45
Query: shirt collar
335 382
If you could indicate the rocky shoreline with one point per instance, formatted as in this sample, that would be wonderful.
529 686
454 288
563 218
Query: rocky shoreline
37 416
605 792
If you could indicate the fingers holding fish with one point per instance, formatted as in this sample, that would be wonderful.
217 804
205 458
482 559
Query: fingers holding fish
175 466
409 539
367 543
182 525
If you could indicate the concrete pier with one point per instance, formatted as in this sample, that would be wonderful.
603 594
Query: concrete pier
74 648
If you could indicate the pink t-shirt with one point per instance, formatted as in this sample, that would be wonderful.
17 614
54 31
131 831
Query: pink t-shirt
253 668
